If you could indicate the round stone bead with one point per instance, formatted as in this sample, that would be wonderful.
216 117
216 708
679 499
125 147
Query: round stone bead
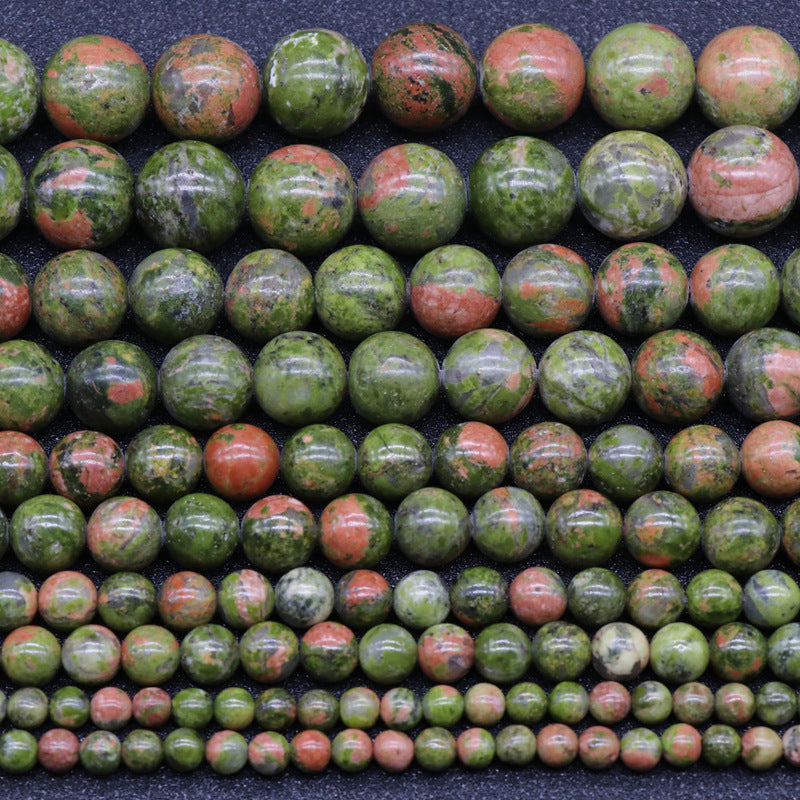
693 703
186 600
470 459
561 651
206 87
762 748
234 708
278 533
393 461
678 377
318 463
791 532
435 749
475 748
631 185
303 597
86 467
12 192
18 600
507 524
537 596
748 75
184 750
522 191
192 708
771 598
445 652
47 533
640 749
454 289
276 709
80 195
269 292
268 753
241 462
532 77
30 655
142 751
110 708
90 655
662 529
502 652
598 747
387 654
742 181
791 743
310 751
31 384
515 745
557 745
95 87
702 463
714 597
489 375
412 198
678 653
163 463
318 709
738 652
641 289
209 654
393 377
18 752
174 294
609 702
479 596
393 751
58 750
112 386
205 382
432 527
19 91
640 77
302 199
655 598
443 705
424 76
359 707
124 533
620 651
328 652
67 600
681 745
651 702
299 378
484 704
269 652
351 750
770 456
189 194
783 653
126 600
790 286
152 707
734 289
740 535
583 528
625 462
548 290
315 83
421 599
584 378
150 655
776 703
244 598
23 471
15 295
355 531
526 703
595 597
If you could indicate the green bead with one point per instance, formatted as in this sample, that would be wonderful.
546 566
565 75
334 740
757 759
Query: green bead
771 598
101 753
69 707
278 533
561 651
18 751
184 750
328 652
620 651
142 751
651 702
435 749
776 703
359 707
27 708
269 652
209 654
595 597
693 703
126 600
351 750
19 91
201 532
526 703
722 746
303 597
568 703
30 655
783 653
387 653
317 709
738 651
276 709
192 708
226 752
507 524
655 598
714 597
502 653
421 599
470 458
442 706
515 745
150 655
679 653
475 748
234 708
479 596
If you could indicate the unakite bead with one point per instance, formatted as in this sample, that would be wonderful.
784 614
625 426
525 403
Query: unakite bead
651 703
734 704
269 652
526 703
192 708
151 707
23 472
126 600
470 459
185 600
598 747
595 597
421 599
435 749
310 751
721 746
184 750
359 707
561 651
681 745
355 531
783 653
769 458
442 706
401 709
790 286
351 750
620 651
328 652
640 749
362 598
655 598
445 652
67 599
27 707
387 653
568 703
303 597
226 752
484 704
268 753
201 531
507 524
209 654
124 534
557 745
771 598
475 748
776 703
110 708
502 653
693 703
150 655
69 707
18 751
142 751
678 653
538 596
276 709
18 601
479 596
761 748
91 655
278 533
738 651
19 91
244 597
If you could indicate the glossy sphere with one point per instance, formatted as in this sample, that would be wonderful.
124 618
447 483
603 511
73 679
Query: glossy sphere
359 707
421 599
662 529
678 377
454 289
507 524
393 751
126 600
740 535
561 651
15 296
110 708
31 385
620 651
738 652
205 381
151 707
655 598
18 751
80 195
318 463
515 745
596 596
583 528
584 378
693 703
598 747
67 600
192 708
748 76
790 286
175 293
771 598
702 463
791 532
742 181
269 652
19 91
475 748
445 652
640 749
351 750
532 77
302 199
557 745
186 600
734 704
442 705
526 703
112 386
124 533
609 702
328 652
269 292
164 462
651 702
431 527
522 191
470 459
435 749
95 87
58 750
489 375
776 703
244 598
502 653
47 533
783 653
268 753
206 87
142 751
769 458
278 533
30 655
412 198
641 289
484 704
303 597
189 194
276 709
714 597
299 378
316 83
681 745
150 655
23 469
640 76
393 377
424 76
387 653
401 709
548 290
183 750
12 182
209 655
625 462
393 461
761 748
79 297
18 600
537 596
86 467
91 655
355 531
678 653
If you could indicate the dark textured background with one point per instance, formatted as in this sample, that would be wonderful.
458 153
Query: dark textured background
149 27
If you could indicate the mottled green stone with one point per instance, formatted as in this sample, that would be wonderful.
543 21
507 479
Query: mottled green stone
269 652
27 707
631 185
734 704
184 750
595 597
515 745
278 533
142 751
568 703
681 745
679 653
15 296
18 751
776 703
651 703
502 652
189 194
318 463
435 749
12 189
783 653
714 597
722 746
526 703
693 703
507 524
276 709
329 652
470 459
443 706
790 286
19 91
303 597
30 655
31 386
150 655
738 652
561 651
522 191
771 598
201 531
69 707
387 653
479 596
640 749
226 752
475 748
67 600
234 708
124 533
90 655
421 599
244 597
620 651
209 654
359 707
192 708
655 598
126 600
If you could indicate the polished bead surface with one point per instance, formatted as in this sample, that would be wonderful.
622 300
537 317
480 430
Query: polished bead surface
32 386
